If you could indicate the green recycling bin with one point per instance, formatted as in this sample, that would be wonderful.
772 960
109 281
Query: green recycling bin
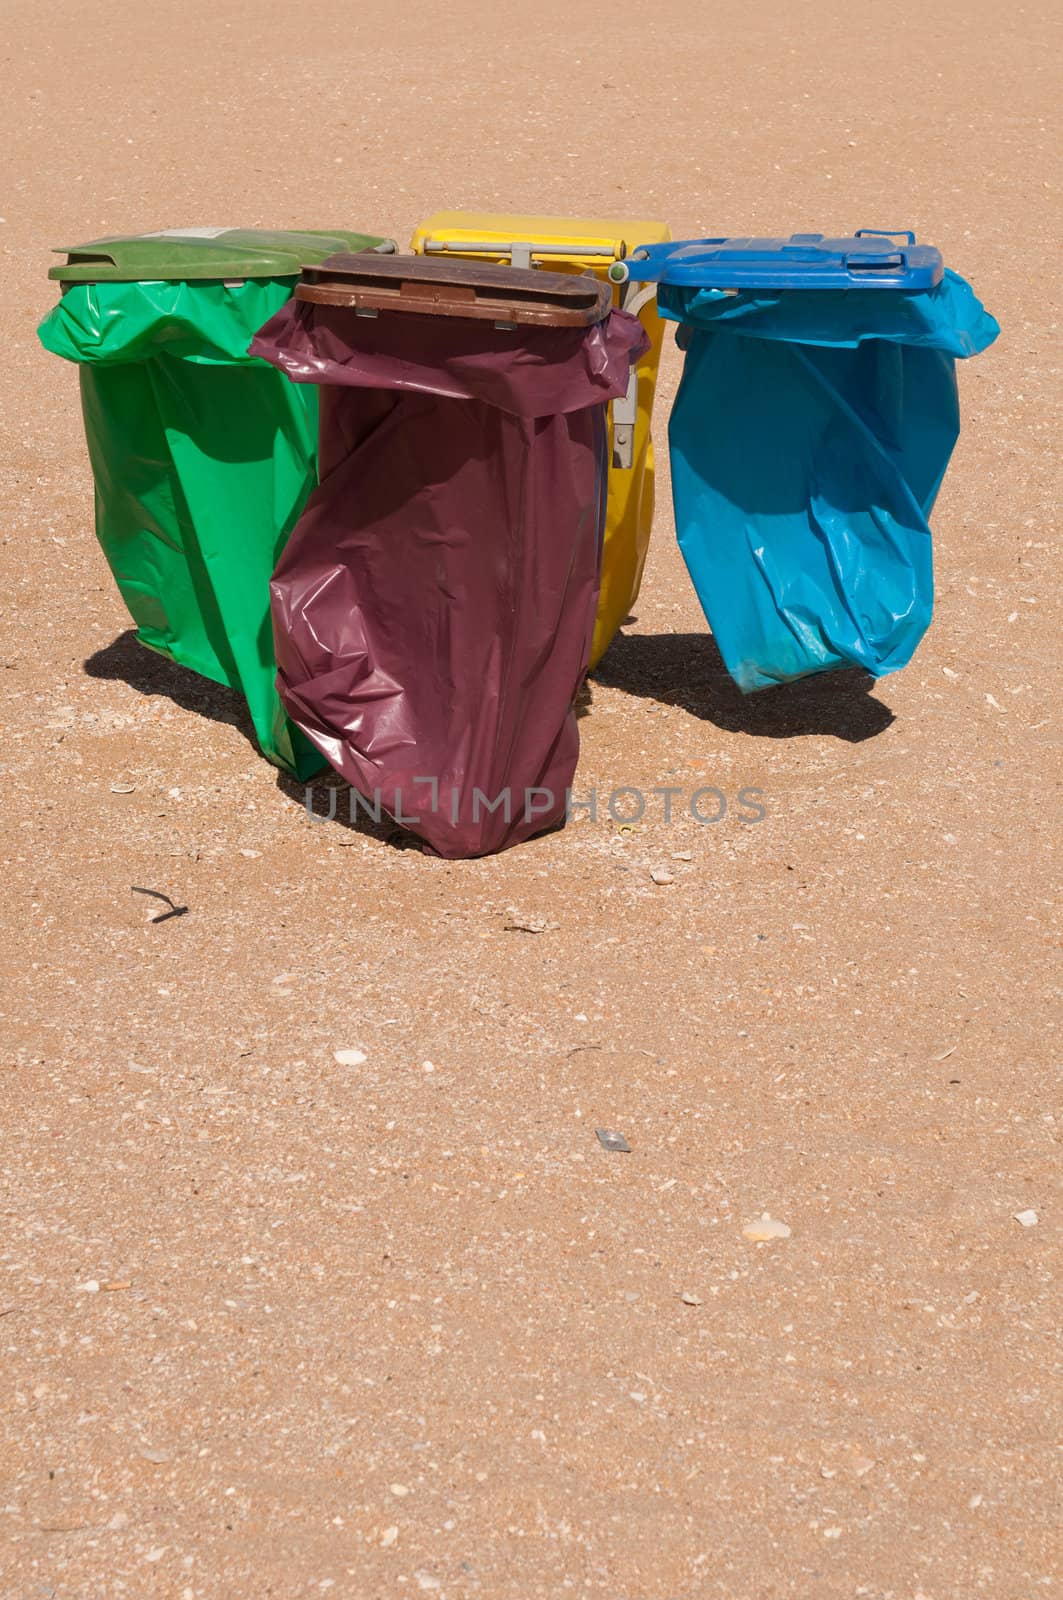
202 457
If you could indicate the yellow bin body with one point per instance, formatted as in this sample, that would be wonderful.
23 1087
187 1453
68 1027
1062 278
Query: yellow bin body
574 244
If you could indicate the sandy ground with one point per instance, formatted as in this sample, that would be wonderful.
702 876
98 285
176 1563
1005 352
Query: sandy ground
381 1330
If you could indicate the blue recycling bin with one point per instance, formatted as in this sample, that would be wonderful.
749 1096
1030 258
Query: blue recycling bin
812 428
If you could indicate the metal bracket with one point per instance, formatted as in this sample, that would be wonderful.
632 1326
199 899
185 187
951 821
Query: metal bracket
637 295
625 416
626 411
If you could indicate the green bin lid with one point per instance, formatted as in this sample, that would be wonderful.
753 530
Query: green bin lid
184 254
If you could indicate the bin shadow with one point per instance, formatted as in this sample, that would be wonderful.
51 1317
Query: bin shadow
687 670
126 660
331 799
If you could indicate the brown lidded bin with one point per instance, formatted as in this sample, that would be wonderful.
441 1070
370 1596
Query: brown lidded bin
433 608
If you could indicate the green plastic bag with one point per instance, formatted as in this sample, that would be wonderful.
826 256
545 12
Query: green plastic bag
202 458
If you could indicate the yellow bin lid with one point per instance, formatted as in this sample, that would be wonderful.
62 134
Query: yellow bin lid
581 241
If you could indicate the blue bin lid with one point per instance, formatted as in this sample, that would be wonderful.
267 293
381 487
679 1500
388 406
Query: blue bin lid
870 259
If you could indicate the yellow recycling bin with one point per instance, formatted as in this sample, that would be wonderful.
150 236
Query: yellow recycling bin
576 244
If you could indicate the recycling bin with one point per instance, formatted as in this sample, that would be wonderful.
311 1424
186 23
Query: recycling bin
202 457
577 245
809 437
434 606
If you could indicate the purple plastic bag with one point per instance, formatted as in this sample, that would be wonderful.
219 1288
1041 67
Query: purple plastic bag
433 608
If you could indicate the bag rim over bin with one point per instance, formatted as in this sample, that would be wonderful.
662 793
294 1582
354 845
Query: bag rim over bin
555 333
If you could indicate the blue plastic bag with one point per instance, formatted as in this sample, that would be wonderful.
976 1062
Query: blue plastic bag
809 438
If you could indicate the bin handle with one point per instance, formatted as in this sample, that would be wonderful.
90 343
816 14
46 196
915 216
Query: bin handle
857 264
886 233
506 247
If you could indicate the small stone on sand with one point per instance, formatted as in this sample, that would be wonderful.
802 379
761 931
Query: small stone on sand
349 1058
765 1228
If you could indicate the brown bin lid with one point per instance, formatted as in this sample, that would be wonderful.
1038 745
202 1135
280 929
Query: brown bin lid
439 286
